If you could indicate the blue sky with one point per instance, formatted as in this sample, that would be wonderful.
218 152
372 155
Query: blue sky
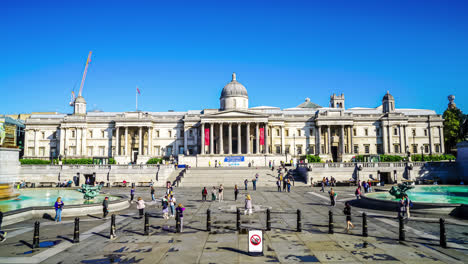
182 53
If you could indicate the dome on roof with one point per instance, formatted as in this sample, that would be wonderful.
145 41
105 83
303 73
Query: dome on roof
388 96
308 104
80 99
234 88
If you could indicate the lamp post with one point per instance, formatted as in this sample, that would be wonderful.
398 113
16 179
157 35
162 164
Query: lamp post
422 153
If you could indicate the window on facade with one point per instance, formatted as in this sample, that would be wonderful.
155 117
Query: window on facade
31 151
73 133
278 149
322 148
287 132
287 149
356 149
415 148
395 131
156 151
190 132
437 148
425 132
90 133
366 132
379 148
414 132
277 132
396 148
426 148
72 150
298 132
102 150
157 133
377 131
103 134
311 149
90 151
367 149
170 133
299 150
354 132
53 152
43 135
168 150
41 151
181 150
182 135
311 132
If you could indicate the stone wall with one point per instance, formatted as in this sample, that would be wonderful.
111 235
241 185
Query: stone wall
9 164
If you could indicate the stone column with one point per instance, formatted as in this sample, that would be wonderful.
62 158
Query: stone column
150 141
62 132
221 143
239 138
441 138
390 142
65 141
349 139
202 144
282 140
384 138
248 137
77 146
328 140
431 141
402 150
140 141
257 139
265 136
342 139
84 149
230 138
185 141
36 143
109 146
117 142
126 141
318 132
405 131
211 139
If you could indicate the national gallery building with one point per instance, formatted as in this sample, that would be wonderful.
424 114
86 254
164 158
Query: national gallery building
236 134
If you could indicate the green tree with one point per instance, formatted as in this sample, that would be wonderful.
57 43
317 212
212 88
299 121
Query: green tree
453 119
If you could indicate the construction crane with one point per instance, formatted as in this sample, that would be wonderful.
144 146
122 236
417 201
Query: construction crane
73 98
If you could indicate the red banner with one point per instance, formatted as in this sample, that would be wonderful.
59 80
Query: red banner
262 136
207 136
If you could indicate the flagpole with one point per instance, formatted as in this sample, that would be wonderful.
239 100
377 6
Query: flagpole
136 98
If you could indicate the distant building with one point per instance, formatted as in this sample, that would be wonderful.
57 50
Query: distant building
257 134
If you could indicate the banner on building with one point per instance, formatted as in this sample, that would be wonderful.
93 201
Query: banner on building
234 159
207 136
262 136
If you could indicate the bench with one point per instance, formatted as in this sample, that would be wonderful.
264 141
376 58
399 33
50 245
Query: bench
119 184
47 184
144 184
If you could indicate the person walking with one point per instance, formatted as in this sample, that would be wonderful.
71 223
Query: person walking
289 185
278 184
204 193
140 206
105 207
323 186
333 195
220 193
408 204
236 192
172 203
58 209
358 193
245 184
165 209
285 181
254 184
347 213
248 205
213 194
180 210
132 194
152 194
369 186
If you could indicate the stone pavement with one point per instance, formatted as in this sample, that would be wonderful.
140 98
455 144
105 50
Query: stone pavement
225 245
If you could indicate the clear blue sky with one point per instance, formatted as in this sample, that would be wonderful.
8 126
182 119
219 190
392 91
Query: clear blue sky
182 53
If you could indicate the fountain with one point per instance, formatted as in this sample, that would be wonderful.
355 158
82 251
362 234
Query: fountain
400 190
89 191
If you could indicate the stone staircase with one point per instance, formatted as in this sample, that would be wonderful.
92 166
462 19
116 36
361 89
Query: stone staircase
208 177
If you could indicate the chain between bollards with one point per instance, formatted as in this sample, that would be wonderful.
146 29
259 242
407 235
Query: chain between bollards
330 222
268 219
208 220
364 225
238 220
401 229
36 235
443 235
76 233
112 229
146 224
177 222
299 221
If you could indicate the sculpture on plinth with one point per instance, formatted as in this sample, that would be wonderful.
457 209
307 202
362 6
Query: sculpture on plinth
400 190
90 191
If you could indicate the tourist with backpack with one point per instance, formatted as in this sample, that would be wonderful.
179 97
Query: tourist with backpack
204 193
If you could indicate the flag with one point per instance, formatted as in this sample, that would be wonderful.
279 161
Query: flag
207 136
138 90
262 136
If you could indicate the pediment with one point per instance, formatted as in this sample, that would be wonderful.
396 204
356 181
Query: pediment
234 113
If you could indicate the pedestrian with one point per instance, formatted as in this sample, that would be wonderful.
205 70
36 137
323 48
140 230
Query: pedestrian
209 163
221 193
140 206
285 181
204 193
236 192
369 186
358 193
278 184
401 207
256 176
323 186
248 205
213 194
152 194
254 184
333 195
165 209
408 204
58 209
347 212
172 203
180 210
105 207
245 183
327 182
289 185
132 194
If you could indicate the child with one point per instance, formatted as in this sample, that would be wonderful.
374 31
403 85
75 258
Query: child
140 206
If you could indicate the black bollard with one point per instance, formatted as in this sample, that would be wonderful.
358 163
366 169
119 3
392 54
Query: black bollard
401 229
330 222
76 233
36 235
208 220
268 220
177 222
238 220
146 224
112 229
299 221
364 225
443 235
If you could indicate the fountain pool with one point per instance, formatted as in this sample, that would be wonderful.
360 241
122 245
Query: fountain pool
47 197
435 194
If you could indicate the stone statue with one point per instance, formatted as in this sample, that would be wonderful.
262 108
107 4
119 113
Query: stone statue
2 133
400 190
90 191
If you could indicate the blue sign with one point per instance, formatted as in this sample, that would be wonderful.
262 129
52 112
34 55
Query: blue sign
234 159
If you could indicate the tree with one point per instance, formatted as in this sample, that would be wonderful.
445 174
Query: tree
453 119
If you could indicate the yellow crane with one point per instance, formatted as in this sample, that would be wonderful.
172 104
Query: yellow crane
72 101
